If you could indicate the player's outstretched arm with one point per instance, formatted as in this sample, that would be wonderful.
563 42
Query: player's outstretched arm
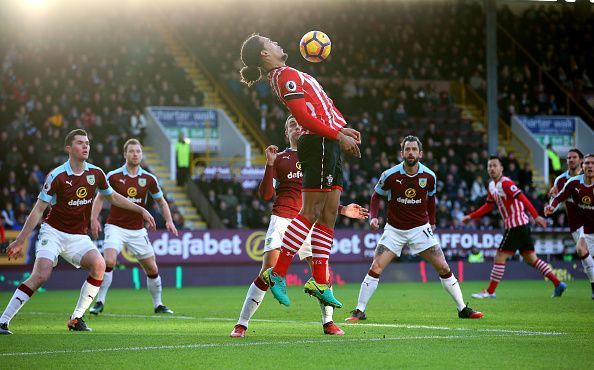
354 210
266 187
558 199
119 201
95 210
15 248
167 215
483 211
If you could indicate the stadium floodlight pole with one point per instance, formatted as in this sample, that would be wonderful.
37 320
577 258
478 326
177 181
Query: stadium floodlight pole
492 108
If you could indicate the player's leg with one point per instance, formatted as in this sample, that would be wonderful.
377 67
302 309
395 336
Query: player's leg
93 262
322 237
532 259
153 283
293 238
110 255
434 255
497 272
255 295
382 258
42 269
585 256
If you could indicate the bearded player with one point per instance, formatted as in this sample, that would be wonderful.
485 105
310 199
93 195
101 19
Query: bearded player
410 191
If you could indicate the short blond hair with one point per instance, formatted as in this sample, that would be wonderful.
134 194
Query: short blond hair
131 142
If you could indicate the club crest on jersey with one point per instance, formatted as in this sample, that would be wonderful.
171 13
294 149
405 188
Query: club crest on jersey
91 179
329 179
422 182
291 86
142 182
44 242
587 200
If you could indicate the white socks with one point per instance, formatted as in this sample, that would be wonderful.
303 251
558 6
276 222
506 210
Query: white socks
452 286
155 288
252 301
87 295
107 278
588 265
368 287
18 300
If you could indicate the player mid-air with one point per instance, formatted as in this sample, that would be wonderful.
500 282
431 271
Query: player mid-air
127 228
319 152
580 190
69 189
410 190
511 203
282 180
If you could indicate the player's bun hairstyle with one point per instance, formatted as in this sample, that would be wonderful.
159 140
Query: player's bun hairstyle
495 156
576 151
411 138
131 142
251 58
70 137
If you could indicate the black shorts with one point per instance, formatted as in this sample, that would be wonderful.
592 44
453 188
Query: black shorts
321 164
517 238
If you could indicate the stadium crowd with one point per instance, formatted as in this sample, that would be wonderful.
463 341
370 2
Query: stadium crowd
100 81
382 77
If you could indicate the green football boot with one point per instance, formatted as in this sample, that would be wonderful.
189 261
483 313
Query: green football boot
321 292
278 286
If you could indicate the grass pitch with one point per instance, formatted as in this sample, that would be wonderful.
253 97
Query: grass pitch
410 325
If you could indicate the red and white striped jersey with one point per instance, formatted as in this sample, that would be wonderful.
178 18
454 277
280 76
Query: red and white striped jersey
505 193
289 83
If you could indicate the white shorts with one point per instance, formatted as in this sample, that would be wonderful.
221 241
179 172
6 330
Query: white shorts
53 243
275 233
589 242
136 241
418 239
576 234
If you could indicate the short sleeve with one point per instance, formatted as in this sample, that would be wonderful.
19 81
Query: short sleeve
48 192
154 188
289 85
511 189
382 186
103 184
434 189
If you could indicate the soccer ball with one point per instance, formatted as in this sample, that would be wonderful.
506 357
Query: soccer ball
315 46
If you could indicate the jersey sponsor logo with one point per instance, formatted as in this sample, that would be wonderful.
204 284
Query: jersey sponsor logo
587 200
123 181
298 165
81 192
142 183
291 86
134 200
408 200
91 179
68 182
254 245
410 193
513 188
132 192
79 202
295 175
422 182
399 181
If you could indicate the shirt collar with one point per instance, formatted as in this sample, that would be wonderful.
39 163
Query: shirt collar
126 173
69 170
403 171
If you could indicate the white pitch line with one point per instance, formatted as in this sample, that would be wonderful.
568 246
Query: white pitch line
402 326
249 344
398 326
122 315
